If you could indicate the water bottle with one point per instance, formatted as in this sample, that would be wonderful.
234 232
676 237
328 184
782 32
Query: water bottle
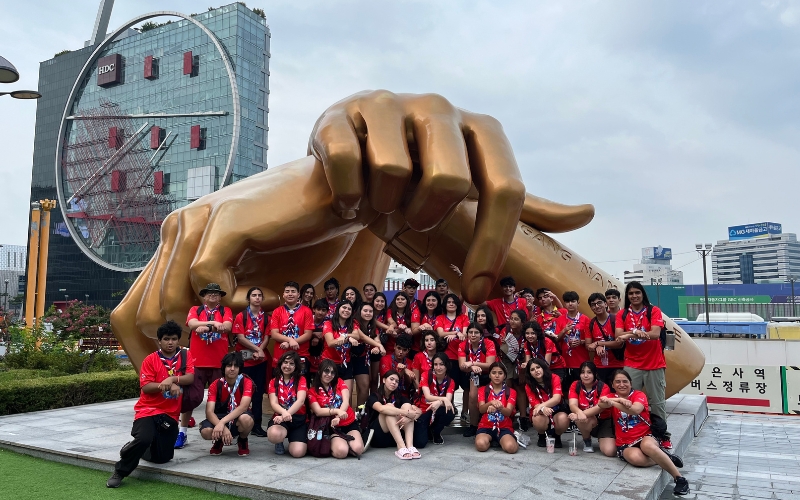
604 358
475 379
319 435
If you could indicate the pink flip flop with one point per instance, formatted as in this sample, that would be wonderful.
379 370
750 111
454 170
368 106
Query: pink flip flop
403 454
414 452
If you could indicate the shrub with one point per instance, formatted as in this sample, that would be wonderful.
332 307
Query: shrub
21 396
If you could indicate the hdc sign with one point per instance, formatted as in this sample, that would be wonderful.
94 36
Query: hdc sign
109 70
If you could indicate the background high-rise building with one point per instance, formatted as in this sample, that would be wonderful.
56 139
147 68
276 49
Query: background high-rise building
655 268
756 253
138 124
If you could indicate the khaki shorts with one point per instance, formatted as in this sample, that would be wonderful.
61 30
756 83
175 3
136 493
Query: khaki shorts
604 429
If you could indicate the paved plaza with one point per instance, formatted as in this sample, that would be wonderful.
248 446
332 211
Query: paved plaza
92 435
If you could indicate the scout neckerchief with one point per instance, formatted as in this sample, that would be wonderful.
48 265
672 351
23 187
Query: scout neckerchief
232 397
391 400
427 318
331 309
441 390
209 336
171 364
401 318
496 417
287 395
333 400
542 399
291 330
590 396
428 359
534 352
627 421
475 356
508 308
573 330
637 319
548 319
343 349
254 334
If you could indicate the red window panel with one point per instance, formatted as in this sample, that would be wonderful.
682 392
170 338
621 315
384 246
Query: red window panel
113 136
188 63
155 137
195 141
158 182
148 68
117 181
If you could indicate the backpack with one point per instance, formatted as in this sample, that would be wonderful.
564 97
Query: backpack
662 337
221 313
619 352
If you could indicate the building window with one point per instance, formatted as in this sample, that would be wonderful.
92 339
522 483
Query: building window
746 268
199 182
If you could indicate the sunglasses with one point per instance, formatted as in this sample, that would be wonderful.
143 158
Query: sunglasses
328 372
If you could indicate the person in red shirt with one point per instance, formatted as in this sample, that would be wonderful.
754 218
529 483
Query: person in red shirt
211 324
379 313
436 402
530 302
392 418
442 288
547 313
155 422
475 356
287 396
608 355
613 299
332 296
317 343
591 419
536 345
361 356
399 362
399 319
250 328
497 405
227 409
341 335
330 397
410 287
291 325
572 335
424 319
502 307
452 328
422 360
635 442
639 324
543 388
369 290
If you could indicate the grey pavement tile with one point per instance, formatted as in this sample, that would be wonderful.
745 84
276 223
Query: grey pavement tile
445 494
331 485
481 482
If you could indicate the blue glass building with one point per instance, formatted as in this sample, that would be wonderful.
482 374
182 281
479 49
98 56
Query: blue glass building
137 125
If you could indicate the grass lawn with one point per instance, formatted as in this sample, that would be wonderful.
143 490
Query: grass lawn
28 478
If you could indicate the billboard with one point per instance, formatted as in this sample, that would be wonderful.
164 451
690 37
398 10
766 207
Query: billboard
657 253
109 70
753 231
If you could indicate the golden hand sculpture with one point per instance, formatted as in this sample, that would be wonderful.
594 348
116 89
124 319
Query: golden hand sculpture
410 176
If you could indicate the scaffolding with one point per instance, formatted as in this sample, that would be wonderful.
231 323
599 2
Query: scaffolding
108 178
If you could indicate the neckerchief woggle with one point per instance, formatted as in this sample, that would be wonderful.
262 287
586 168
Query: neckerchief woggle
254 334
496 417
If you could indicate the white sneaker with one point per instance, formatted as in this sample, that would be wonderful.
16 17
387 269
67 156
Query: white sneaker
522 439
588 449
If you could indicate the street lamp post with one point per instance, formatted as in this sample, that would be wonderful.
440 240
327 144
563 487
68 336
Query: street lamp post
9 74
705 251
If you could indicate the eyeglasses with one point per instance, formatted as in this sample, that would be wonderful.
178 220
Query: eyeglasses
212 294
597 304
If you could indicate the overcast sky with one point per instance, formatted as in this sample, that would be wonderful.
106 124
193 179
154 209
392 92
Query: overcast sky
675 119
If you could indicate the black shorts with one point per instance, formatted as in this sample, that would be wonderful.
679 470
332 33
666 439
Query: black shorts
636 444
458 376
205 424
496 435
380 438
360 366
604 428
346 372
296 430
353 426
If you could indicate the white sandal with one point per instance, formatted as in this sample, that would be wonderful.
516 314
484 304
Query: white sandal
403 454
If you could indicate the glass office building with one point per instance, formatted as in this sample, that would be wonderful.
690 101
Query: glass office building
139 125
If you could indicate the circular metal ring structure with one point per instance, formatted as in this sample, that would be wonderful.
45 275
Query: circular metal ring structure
235 133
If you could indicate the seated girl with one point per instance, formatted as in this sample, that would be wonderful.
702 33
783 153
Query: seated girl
287 396
330 397
497 405
543 388
591 419
436 402
392 418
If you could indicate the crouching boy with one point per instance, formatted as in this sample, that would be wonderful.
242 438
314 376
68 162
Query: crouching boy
155 422
228 408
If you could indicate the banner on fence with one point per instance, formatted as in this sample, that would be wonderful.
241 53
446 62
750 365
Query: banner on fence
740 388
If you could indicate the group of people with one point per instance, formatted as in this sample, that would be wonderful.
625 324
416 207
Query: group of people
399 363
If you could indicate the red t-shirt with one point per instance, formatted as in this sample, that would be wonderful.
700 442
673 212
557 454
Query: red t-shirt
400 320
587 399
302 320
460 322
209 351
479 356
287 393
540 395
331 309
579 329
502 310
448 386
421 362
603 332
314 361
640 353
246 390
508 396
155 370
390 362
338 354
331 399
243 325
547 320
628 428
417 316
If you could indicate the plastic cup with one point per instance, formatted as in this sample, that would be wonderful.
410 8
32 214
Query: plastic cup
551 444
